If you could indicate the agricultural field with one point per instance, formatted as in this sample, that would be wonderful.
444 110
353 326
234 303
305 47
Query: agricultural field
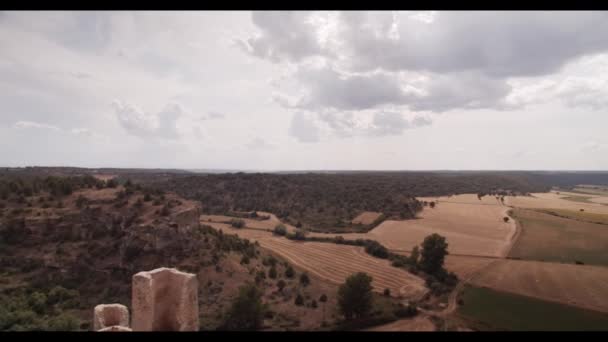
333 262
367 217
552 200
585 286
546 237
346 260
487 309
577 215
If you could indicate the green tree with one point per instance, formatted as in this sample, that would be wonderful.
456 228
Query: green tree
63 322
280 230
290 273
237 223
299 300
272 273
304 279
434 250
246 311
415 256
355 296
37 301
281 284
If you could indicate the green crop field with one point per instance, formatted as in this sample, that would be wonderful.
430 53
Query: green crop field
546 237
486 309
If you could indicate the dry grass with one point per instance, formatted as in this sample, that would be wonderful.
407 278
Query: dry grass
418 323
367 217
552 200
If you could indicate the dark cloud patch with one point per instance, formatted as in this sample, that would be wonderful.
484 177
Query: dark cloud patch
327 88
284 36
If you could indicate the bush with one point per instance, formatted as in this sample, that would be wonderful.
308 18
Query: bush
165 211
64 322
355 296
299 300
304 279
323 298
281 284
289 272
408 311
280 230
272 274
387 292
147 198
261 275
81 201
111 183
376 249
245 260
37 301
237 223
246 311
313 304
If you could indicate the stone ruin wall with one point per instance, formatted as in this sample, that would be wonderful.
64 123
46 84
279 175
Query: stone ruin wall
163 299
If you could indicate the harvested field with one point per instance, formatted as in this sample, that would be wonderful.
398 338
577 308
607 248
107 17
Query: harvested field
487 309
547 237
336 262
465 266
470 228
367 217
579 285
418 323
551 200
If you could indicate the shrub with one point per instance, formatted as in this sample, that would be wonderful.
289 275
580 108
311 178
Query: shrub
37 301
313 304
64 322
280 230
246 311
165 211
281 284
245 260
387 292
408 311
376 249
299 300
237 223
323 298
304 279
272 274
261 275
506 219
147 198
289 272
111 183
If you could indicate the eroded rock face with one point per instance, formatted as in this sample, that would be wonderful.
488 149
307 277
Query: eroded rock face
110 315
165 299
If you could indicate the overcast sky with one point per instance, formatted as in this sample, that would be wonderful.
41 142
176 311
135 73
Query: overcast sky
305 90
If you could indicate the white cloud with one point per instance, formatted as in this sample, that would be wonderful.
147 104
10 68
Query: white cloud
36 125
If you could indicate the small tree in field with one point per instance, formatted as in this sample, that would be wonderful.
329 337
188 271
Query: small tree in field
355 296
434 250
280 230
281 284
432 204
304 279
415 256
247 311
